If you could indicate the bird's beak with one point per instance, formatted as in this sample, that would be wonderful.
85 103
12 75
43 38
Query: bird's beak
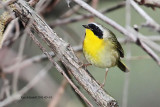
86 26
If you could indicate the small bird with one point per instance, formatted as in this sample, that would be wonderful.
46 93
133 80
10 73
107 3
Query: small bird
101 48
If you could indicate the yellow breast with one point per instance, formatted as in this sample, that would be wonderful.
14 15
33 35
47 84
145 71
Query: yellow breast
99 52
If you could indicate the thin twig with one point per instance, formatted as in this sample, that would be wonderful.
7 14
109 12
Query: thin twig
60 22
106 19
149 21
126 79
34 59
65 54
50 6
155 38
7 33
42 4
5 89
142 42
20 54
149 3
134 37
94 5
70 12
150 43
60 69
150 52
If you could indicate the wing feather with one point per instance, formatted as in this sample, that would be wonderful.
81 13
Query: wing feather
116 43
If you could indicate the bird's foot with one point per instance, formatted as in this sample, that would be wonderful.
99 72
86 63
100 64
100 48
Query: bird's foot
85 66
100 86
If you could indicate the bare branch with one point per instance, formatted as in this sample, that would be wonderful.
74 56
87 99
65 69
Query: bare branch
149 51
149 3
149 21
70 12
106 19
132 36
60 69
60 22
65 53
127 75
94 5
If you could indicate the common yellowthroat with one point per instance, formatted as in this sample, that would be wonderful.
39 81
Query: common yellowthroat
101 47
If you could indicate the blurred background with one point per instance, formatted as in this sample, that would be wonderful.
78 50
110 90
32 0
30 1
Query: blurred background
139 88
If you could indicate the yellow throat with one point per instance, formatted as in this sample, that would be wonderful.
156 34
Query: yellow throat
92 46
101 48
92 42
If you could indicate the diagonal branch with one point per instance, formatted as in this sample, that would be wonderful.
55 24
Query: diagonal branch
149 21
132 36
65 54
59 69
149 3
59 22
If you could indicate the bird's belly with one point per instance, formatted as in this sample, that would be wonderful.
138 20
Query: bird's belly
104 58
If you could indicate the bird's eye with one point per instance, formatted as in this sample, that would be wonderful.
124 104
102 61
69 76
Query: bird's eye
92 26
96 30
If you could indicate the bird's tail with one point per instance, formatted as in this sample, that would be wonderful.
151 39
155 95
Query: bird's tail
122 66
